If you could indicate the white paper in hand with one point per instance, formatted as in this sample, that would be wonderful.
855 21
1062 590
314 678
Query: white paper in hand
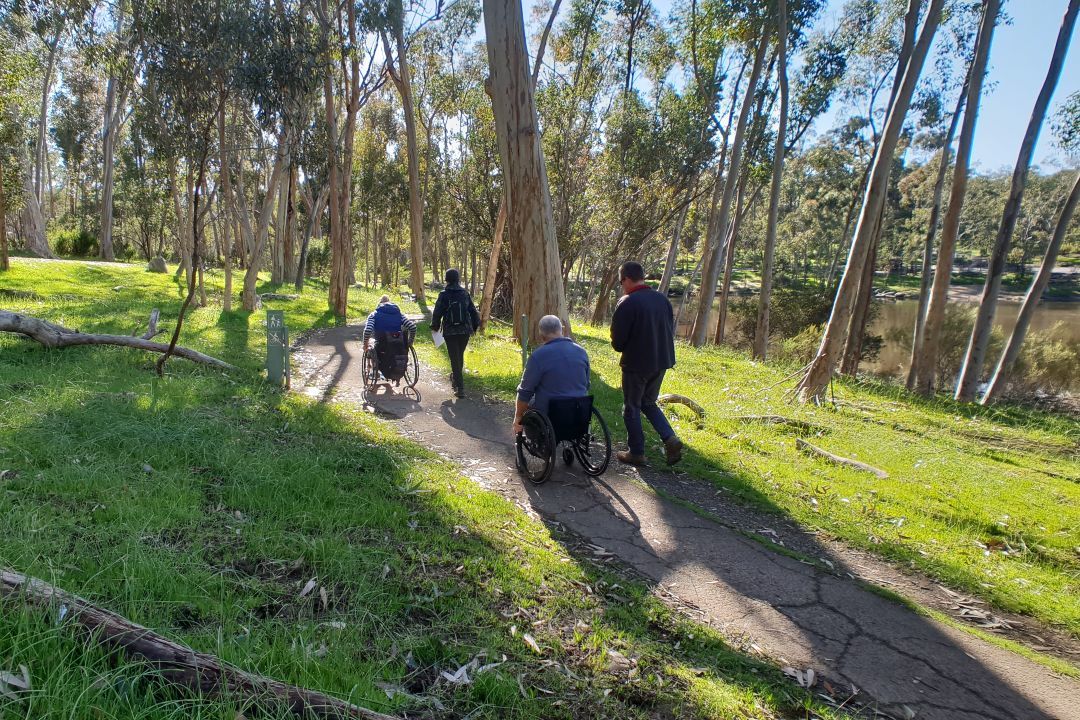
437 337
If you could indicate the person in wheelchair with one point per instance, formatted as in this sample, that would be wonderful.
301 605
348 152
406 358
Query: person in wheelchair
557 369
393 335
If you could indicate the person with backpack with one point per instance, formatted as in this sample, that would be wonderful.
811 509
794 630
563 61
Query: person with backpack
456 317
393 334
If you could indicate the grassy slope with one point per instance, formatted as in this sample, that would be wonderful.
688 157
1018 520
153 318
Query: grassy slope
987 500
201 504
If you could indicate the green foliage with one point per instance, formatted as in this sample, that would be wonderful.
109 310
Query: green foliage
73 242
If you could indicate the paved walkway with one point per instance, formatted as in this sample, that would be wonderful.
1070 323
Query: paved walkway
799 614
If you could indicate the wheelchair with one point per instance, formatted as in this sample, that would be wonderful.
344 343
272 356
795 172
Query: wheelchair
392 360
573 423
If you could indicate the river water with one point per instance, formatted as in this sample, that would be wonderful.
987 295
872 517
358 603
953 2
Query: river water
895 322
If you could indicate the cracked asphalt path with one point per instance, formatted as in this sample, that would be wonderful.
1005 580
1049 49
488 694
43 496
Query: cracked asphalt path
799 614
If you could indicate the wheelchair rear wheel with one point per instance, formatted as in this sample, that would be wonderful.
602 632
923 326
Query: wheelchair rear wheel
536 447
412 370
593 449
370 369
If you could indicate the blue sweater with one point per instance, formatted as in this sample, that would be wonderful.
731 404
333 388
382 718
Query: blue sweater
557 369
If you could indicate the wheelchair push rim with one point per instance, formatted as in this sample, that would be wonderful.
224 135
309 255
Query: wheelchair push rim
593 450
536 448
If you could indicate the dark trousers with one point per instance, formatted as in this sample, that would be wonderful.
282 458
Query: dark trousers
639 397
455 347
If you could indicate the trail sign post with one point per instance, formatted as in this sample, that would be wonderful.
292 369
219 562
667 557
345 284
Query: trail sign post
277 348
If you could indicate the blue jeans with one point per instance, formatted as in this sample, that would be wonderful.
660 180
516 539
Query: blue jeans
639 397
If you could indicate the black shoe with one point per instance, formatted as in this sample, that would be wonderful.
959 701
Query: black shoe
673 448
459 392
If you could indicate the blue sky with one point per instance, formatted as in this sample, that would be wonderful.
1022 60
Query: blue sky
1018 62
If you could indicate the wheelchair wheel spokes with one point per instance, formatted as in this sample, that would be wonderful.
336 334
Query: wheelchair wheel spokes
412 370
593 449
536 448
370 369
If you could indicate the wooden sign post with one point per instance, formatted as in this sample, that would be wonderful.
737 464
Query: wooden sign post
277 348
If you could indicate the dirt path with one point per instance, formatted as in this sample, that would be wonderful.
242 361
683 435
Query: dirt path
803 615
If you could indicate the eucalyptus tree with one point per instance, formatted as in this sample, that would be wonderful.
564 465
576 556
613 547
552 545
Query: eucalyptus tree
538 284
971 372
119 61
1068 131
819 372
17 67
925 363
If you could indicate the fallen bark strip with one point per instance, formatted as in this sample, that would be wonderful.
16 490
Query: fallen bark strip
803 445
277 296
777 420
178 663
682 400
57 336
152 328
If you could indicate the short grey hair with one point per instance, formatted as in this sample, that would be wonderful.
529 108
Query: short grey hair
550 327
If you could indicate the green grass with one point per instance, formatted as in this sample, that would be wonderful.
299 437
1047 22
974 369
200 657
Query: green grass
986 500
202 504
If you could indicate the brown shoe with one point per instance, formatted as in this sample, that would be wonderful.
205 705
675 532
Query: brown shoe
627 457
673 449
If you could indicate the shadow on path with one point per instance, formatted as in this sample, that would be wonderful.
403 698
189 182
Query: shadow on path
800 615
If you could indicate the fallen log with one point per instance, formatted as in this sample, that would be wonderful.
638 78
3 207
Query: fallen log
177 663
277 296
52 335
814 450
672 399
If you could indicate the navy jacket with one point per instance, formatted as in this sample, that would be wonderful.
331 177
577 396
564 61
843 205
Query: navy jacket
643 330
557 369
455 292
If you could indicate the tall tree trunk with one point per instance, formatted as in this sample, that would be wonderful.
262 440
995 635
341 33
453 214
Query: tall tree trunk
673 246
32 223
339 288
403 82
110 129
729 266
719 230
225 201
493 266
761 329
603 300
820 372
925 364
313 229
971 371
41 149
1034 294
534 252
861 312
4 263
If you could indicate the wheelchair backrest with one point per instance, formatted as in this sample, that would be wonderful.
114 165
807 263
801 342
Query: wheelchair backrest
392 351
570 417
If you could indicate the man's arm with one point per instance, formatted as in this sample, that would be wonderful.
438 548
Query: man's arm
530 380
369 329
409 328
620 327
437 313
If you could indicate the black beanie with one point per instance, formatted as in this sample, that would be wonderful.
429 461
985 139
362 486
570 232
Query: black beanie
453 277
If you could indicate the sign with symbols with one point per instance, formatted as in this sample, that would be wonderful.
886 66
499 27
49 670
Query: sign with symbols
277 348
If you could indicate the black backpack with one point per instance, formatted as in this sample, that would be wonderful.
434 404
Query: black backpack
457 320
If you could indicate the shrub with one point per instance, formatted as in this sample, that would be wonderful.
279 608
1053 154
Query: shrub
73 241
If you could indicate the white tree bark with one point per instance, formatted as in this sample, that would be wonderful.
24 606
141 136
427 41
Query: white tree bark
33 224
820 372
534 252
1031 300
761 330
971 371
719 230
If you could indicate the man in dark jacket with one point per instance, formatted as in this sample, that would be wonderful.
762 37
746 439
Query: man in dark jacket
456 317
643 330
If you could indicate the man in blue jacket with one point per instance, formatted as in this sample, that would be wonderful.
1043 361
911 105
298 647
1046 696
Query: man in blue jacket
643 330
557 369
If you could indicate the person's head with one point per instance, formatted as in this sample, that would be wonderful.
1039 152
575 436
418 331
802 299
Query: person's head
550 327
631 275
384 299
453 277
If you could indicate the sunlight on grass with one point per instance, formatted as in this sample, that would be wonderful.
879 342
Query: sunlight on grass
985 499
201 505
